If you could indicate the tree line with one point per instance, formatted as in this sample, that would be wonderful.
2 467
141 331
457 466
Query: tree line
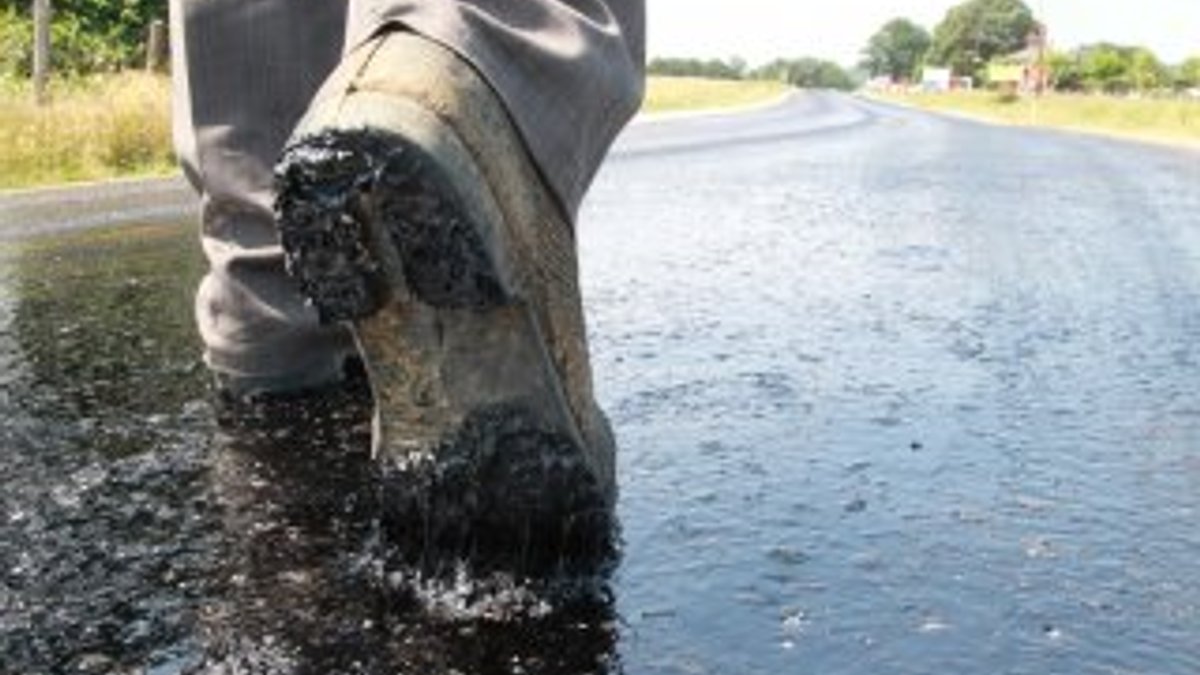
804 72
103 35
975 33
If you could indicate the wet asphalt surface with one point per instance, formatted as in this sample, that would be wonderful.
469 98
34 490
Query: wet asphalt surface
894 393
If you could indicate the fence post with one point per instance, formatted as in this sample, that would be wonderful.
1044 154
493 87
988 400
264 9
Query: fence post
156 46
41 48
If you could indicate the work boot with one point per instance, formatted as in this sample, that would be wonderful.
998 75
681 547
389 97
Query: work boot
408 205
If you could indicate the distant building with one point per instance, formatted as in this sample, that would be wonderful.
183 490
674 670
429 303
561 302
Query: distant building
1022 71
933 80
1026 70
885 83
937 79
1007 73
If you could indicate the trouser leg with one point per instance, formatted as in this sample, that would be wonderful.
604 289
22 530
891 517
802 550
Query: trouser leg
569 72
244 72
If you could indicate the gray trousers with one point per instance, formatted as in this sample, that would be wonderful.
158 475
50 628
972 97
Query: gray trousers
570 73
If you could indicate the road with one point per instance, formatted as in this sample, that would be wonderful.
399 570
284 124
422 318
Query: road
894 393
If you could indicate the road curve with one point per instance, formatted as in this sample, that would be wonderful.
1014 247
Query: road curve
900 392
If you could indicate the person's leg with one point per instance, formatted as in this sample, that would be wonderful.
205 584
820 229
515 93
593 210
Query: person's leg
569 72
244 73
570 76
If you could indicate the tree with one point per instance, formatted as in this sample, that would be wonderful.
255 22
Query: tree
88 35
1188 73
122 24
16 43
809 73
1066 73
1106 67
896 50
733 69
1145 70
977 31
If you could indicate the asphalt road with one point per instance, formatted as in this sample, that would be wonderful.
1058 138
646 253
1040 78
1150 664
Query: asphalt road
894 393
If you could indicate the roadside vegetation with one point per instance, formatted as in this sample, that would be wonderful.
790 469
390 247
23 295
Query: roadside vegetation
93 127
1000 52
1164 120
105 117
1000 44
118 125
806 72
89 36
677 93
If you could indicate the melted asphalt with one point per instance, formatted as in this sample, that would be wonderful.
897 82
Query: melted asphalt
894 393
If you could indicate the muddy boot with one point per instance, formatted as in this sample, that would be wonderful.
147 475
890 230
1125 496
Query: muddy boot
409 206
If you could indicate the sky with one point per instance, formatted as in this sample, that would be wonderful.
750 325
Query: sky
759 30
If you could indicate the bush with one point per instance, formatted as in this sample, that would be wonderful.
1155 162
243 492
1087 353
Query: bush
77 48
733 69
16 44
76 51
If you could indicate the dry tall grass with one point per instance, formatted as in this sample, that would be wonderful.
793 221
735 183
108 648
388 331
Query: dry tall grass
668 94
120 125
93 128
1169 120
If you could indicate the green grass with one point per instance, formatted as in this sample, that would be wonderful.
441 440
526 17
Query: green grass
1167 120
673 94
92 128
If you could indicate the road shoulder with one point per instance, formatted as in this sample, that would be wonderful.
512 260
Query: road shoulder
1111 134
